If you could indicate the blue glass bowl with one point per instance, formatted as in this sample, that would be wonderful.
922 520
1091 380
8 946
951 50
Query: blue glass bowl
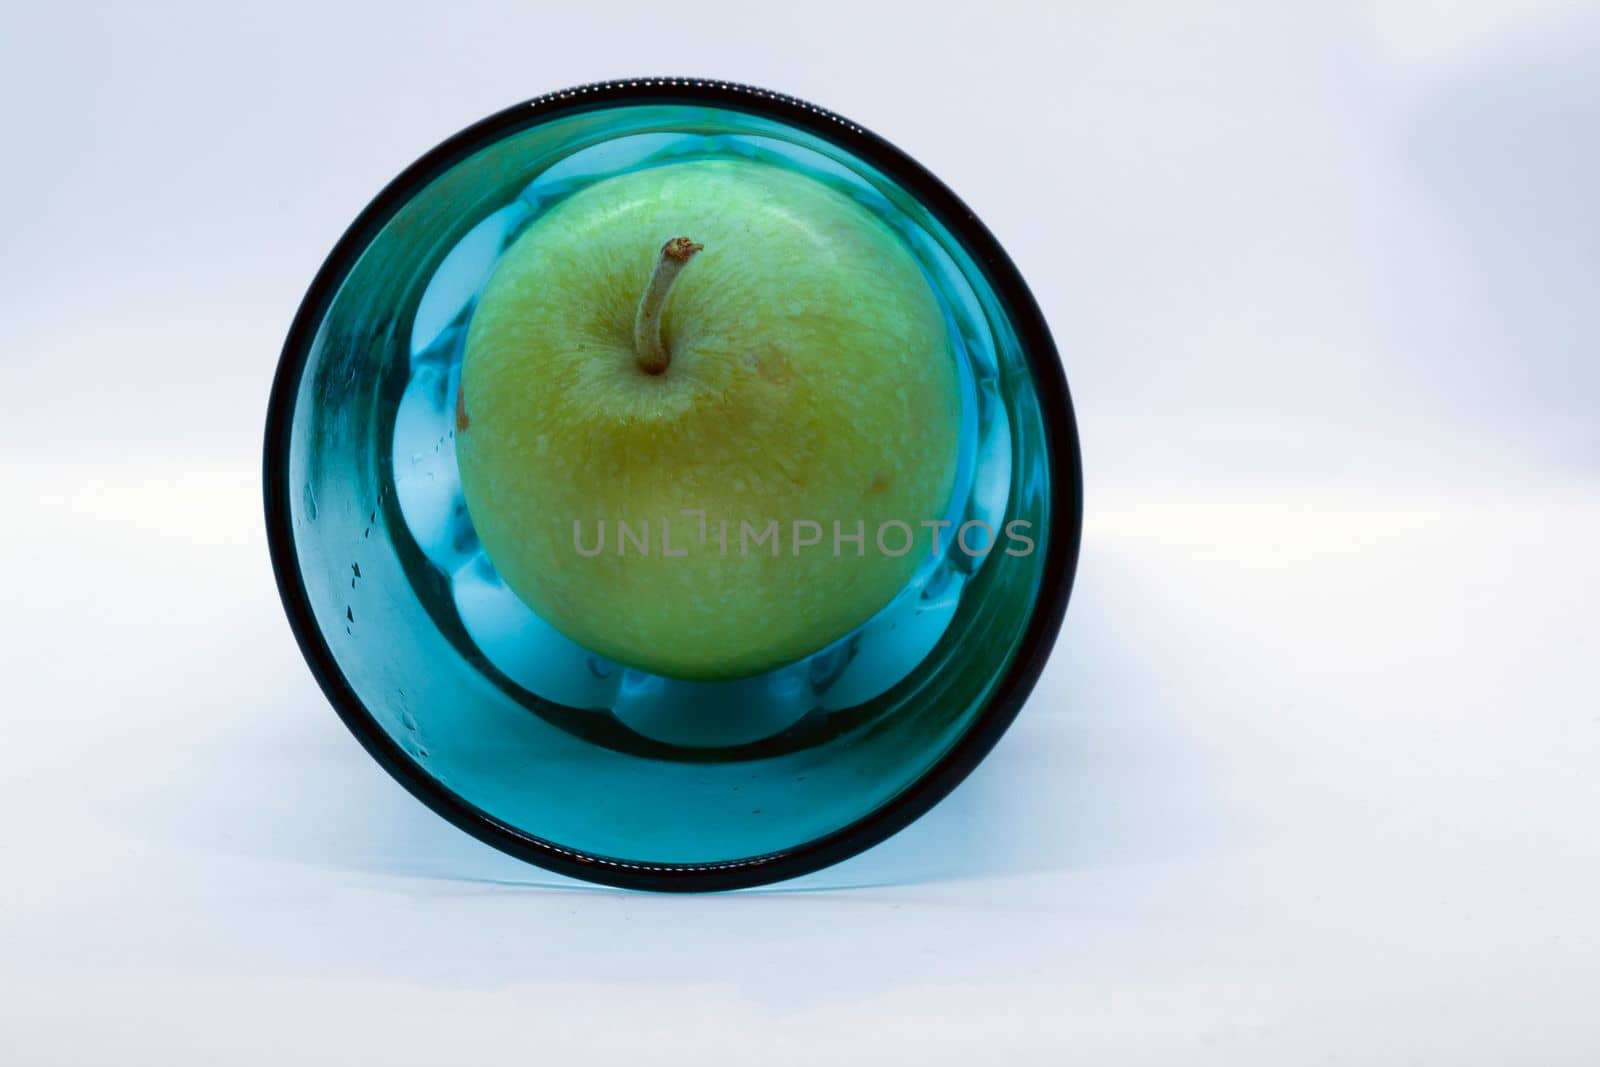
535 744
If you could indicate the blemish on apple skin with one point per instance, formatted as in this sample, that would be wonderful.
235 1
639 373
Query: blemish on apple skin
775 369
462 422
771 366
880 484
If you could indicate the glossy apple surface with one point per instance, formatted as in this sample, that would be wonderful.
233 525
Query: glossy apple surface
811 381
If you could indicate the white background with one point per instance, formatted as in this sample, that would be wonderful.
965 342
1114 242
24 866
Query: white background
1313 776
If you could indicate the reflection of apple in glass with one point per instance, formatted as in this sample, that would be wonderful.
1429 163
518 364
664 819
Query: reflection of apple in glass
796 371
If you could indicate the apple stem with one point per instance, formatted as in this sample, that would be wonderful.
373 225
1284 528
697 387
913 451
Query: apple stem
653 355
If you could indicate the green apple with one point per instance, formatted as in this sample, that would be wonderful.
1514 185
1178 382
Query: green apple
722 424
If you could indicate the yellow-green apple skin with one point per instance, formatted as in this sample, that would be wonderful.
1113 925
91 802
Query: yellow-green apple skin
811 378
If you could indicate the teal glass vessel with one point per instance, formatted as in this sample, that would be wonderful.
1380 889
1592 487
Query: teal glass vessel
539 746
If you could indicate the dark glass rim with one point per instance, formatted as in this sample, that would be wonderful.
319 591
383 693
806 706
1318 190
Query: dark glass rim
1061 439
